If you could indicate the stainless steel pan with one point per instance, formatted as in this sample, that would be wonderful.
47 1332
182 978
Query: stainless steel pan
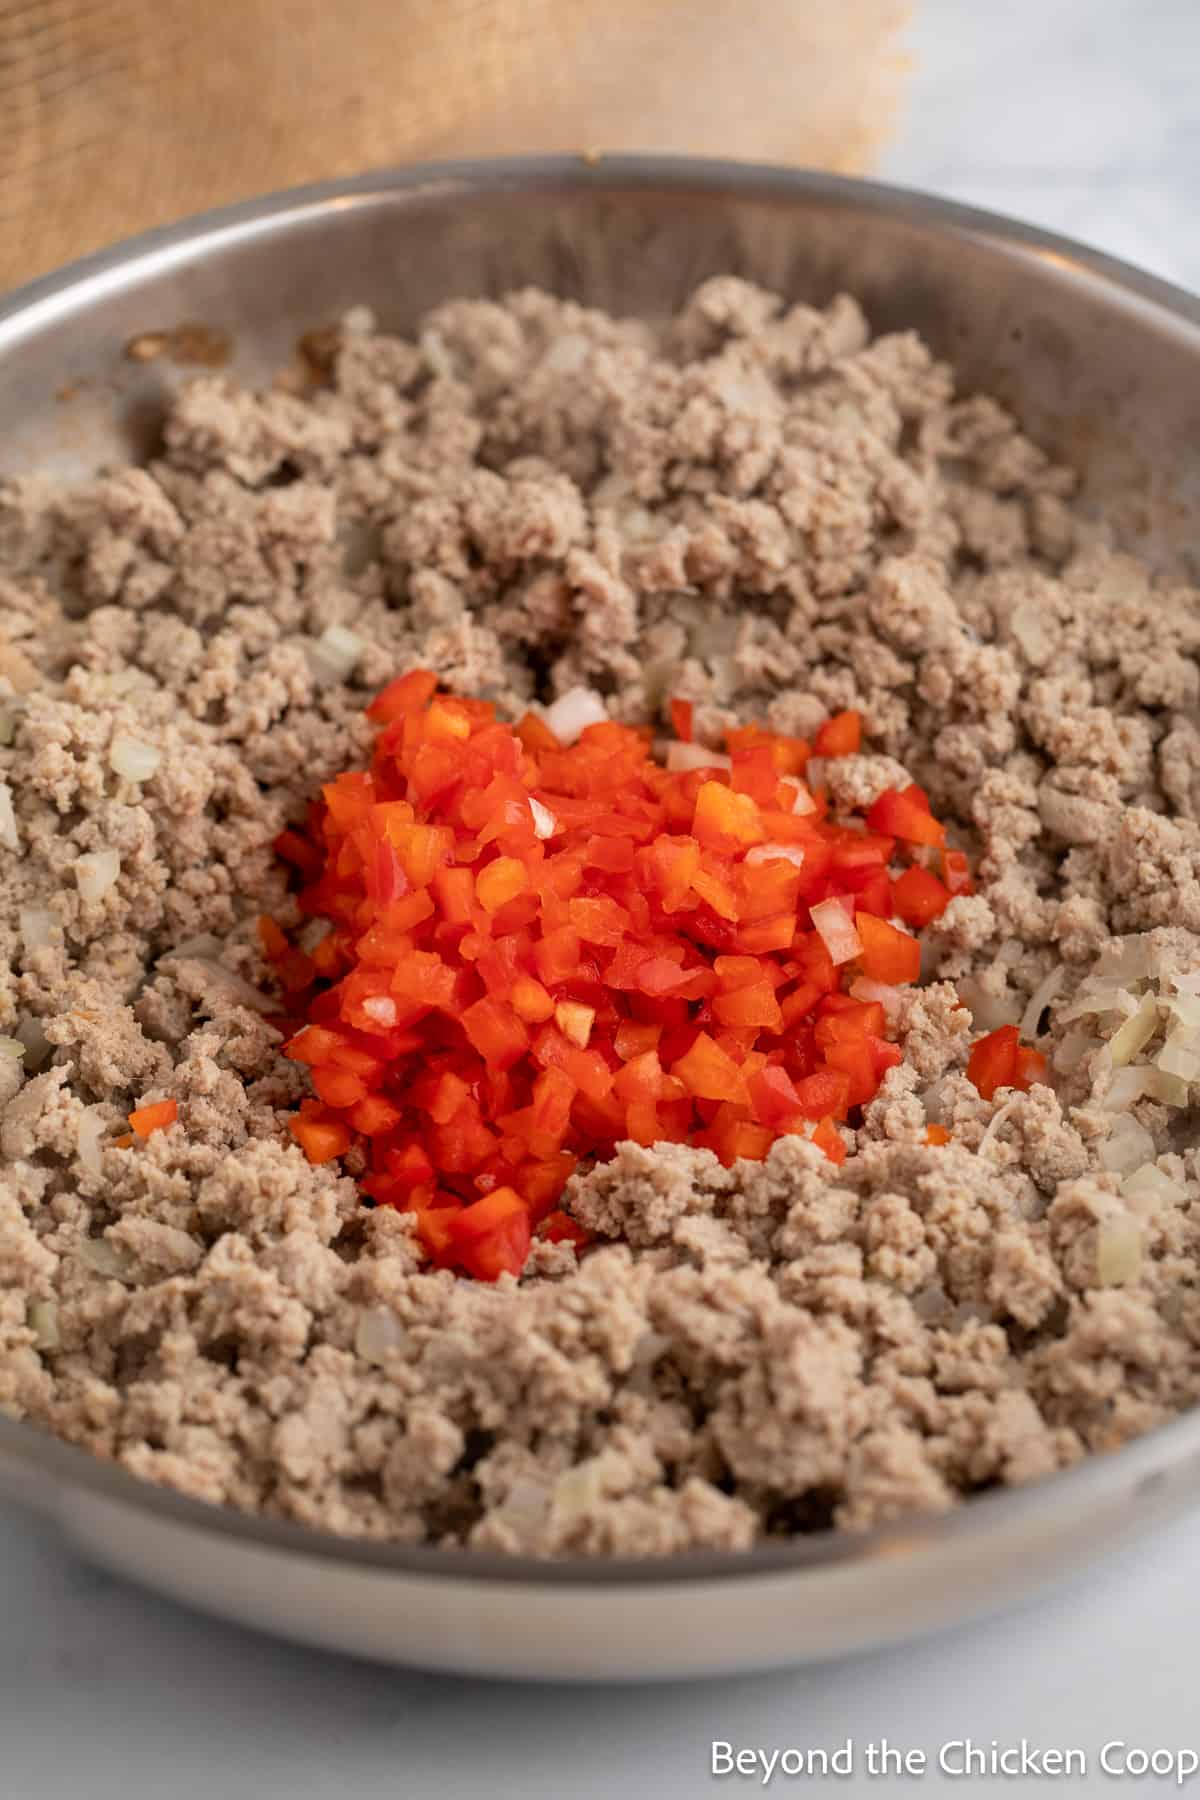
1102 363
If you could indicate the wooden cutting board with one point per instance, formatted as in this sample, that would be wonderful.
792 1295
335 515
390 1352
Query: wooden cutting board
116 115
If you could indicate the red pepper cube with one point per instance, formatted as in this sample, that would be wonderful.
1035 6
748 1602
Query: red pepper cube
726 821
919 897
553 1096
855 1060
557 956
321 1140
500 881
956 872
826 1091
682 713
839 736
348 800
598 920
492 1236
454 891
541 1183
666 868
886 1055
155 1117
410 1166
530 1000
338 1087
464 1142
849 1023
904 813
495 1031
633 1038
375 1116
774 1098
749 1008
408 693
828 1138
992 1063
888 955
561 1228
710 1073
312 1044
296 849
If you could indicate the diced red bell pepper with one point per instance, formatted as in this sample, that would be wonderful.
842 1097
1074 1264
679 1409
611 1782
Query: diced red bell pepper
155 1117
992 1063
681 720
904 813
919 897
828 1138
491 1237
888 955
839 736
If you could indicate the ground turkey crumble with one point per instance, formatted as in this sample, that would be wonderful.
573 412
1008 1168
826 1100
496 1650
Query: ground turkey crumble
758 508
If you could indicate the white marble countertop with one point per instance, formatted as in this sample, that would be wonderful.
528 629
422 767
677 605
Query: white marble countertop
1078 114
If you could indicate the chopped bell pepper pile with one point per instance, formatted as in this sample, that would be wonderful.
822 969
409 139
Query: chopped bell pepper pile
537 951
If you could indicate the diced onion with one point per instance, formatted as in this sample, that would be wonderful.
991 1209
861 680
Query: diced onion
1170 1089
1072 1048
12 1048
931 1303
96 872
336 653
43 1322
381 1008
1129 959
378 1331
1135 1033
88 1134
888 997
1185 1008
37 927
1177 1057
9 839
682 757
1149 1183
37 1044
575 1021
1096 997
566 355
1118 1250
102 1258
1127 1146
988 1011
1039 1000
131 759
573 712
238 990
837 931
312 933
1126 1086
544 822
762 853
436 355
804 802
203 944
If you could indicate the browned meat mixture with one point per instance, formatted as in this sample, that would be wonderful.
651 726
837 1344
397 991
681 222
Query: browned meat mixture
758 507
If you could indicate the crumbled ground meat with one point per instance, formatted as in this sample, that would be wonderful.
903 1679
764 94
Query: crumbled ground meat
764 511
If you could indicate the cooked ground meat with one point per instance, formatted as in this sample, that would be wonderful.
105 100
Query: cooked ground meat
758 508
